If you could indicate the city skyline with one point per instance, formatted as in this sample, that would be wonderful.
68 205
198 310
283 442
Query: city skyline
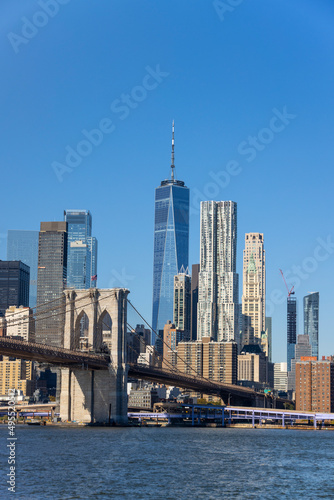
281 185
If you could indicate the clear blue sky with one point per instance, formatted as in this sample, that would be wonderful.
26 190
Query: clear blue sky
221 76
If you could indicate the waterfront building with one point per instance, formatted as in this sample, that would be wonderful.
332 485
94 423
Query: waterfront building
254 288
311 321
291 329
14 285
194 300
20 323
315 385
81 250
16 374
51 279
23 246
218 315
253 364
143 398
171 245
182 303
280 377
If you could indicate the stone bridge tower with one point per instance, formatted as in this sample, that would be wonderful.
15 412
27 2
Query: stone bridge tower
93 318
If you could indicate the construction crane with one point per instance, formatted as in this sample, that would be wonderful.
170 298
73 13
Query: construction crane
290 292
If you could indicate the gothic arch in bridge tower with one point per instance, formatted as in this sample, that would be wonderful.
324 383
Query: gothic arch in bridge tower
93 396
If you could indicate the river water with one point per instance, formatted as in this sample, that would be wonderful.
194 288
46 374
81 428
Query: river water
169 463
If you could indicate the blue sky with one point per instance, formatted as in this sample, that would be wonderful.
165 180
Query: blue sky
224 77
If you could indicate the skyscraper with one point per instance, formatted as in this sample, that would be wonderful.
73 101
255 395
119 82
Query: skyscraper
218 315
254 288
182 303
51 278
81 250
23 246
14 285
311 321
171 244
291 329
194 300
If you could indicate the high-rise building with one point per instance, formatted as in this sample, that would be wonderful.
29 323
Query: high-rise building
291 329
213 360
254 288
253 364
16 374
14 284
218 315
23 246
266 339
311 321
302 349
81 250
194 301
171 245
51 279
315 385
182 303
280 377
172 336
20 323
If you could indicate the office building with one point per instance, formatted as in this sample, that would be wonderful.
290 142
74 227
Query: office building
218 311
20 323
266 339
171 245
311 321
253 364
81 250
315 385
23 246
51 279
14 285
194 301
280 377
254 288
291 329
182 303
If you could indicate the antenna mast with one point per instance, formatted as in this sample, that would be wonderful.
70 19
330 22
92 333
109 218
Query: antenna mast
172 165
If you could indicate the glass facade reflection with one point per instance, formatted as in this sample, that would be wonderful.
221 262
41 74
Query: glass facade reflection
311 321
23 246
171 247
291 329
81 250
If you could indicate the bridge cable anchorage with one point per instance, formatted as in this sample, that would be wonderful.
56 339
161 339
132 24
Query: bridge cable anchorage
177 355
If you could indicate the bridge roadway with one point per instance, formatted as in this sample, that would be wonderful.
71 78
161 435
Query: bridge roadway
234 394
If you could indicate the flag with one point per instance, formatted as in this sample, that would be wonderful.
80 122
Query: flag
94 278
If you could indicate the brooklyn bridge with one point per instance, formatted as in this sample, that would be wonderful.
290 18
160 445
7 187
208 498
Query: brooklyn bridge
93 379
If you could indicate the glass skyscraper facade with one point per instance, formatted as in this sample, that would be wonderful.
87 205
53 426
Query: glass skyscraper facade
23 246
81 250
14 285
291 330
311 321
171 247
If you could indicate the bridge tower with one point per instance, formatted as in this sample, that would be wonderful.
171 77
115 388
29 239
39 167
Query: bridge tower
95 396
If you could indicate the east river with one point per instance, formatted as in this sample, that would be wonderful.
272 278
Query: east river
168 463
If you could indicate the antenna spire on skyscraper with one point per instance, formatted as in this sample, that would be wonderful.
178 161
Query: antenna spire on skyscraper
172 165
